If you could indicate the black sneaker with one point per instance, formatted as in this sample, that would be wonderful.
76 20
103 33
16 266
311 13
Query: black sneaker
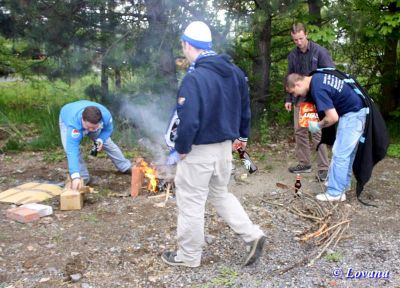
322 175
299 168
256 248
169 257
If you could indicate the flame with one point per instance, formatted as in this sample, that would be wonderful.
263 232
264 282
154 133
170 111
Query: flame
151 174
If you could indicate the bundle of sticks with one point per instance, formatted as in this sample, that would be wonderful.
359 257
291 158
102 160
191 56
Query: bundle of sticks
329 221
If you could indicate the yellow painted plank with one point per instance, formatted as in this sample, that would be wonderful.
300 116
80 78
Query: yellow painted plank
31 192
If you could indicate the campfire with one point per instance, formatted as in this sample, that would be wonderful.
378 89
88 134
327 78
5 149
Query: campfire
150 174
151 178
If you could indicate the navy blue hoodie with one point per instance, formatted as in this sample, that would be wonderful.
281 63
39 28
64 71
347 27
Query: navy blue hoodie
216 107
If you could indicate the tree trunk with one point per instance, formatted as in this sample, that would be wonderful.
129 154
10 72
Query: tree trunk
390 79
314 10
390 76
117 72
104 66
162 41
262 59
104 82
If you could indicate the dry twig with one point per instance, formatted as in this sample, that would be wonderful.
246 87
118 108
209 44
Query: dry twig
332 221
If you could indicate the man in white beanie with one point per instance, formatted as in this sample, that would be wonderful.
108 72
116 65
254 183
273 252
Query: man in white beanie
213 107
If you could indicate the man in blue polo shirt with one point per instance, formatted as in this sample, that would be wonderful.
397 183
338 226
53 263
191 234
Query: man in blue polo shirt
81 118
340 103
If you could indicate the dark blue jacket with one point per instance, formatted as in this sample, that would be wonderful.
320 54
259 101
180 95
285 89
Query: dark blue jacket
216 107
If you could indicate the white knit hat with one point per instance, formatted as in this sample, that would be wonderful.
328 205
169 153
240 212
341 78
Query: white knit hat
198 35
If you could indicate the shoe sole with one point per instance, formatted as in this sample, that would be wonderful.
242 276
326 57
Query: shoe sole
341 199
302 171
256 251
178 263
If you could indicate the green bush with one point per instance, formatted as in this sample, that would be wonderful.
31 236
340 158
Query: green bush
29 112
394 150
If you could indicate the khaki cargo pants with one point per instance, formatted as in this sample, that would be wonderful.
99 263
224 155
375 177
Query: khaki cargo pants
205 173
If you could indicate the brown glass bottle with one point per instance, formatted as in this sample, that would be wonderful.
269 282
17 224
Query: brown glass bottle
246 160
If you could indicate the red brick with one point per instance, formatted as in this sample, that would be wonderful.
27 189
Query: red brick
22 215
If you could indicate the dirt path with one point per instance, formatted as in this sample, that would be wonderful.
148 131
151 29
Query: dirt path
116 241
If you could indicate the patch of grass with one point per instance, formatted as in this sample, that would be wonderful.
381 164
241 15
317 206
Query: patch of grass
48 135
268 167
13 144
133 153
8 158
265 136
101 193
90 218
54 156
3 237
57 238
227 277
37 102
262 157
394 150
334 257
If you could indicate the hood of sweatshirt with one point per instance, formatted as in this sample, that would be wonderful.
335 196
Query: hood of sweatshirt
218 63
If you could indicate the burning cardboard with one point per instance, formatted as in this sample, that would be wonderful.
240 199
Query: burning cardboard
150 178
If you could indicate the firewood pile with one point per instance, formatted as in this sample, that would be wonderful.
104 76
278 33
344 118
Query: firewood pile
329 220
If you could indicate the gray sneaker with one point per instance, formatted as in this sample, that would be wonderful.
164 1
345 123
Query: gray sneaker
300 168
256 248
169 257
322 175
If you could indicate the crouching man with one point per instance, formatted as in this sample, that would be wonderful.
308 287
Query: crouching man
81 118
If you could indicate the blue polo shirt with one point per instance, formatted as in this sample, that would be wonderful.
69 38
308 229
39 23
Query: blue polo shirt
329 92
71 116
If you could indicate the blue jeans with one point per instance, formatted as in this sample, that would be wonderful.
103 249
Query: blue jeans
109 147
349 131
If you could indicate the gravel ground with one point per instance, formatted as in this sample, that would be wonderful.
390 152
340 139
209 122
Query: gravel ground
116 241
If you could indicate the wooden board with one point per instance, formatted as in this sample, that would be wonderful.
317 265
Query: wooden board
32 192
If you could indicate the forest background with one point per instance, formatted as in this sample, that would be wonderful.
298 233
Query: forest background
124 54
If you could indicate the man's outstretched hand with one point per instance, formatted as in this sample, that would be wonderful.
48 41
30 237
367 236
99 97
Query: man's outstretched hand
76 184
313 127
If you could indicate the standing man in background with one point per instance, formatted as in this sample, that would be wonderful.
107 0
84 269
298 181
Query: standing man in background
214 111
81 118
306 57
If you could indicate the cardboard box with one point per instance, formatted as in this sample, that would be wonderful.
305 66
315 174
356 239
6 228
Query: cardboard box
71 200
22 215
